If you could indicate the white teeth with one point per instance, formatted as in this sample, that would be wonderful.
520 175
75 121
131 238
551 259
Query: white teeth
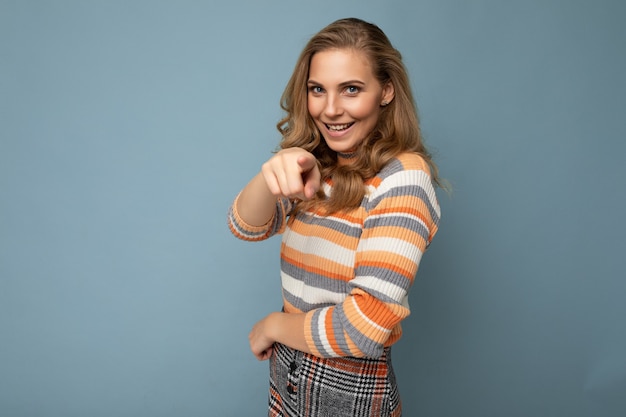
337 128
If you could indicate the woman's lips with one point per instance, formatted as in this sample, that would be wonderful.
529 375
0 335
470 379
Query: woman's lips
338 129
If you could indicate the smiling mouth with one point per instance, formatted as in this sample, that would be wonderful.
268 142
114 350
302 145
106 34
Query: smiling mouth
339 128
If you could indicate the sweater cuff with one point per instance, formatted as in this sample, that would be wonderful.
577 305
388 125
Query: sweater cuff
308 334
245 230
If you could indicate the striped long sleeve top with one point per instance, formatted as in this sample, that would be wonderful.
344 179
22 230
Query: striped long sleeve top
351 272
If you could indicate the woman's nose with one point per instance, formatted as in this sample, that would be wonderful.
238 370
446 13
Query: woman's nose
333 106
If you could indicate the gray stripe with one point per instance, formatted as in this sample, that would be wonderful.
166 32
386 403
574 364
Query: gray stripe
241 229
401 221
314 280
330 222
315 333
394 166
271 229
338 328
384 275
366 345
301 305
407 190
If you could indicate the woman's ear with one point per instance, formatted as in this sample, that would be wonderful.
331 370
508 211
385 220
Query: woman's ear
388 94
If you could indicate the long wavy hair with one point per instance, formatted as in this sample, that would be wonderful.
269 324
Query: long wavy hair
397 129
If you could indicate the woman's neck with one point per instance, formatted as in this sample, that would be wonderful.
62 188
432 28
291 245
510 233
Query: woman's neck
346 158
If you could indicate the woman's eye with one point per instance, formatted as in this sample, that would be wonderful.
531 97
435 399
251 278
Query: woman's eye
316 89
352 89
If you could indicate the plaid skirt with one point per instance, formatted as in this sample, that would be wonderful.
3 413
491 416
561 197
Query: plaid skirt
303 385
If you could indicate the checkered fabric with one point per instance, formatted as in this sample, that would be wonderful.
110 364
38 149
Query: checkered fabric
303 385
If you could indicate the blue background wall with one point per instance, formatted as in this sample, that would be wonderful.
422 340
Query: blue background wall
127 127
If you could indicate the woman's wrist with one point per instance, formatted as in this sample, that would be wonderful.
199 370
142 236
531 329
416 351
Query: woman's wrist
256 204
288 329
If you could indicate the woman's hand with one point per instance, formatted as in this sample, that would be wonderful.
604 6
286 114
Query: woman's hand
284 328
261 343
292 173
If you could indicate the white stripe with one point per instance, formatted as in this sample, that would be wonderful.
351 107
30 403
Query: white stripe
327 188
413 177
388 244
321 331
317 245
399 214
405 302
384 287
308 294
402 178
367 319
336 220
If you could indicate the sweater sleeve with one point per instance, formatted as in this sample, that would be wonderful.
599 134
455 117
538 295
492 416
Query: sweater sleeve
403 216
242 230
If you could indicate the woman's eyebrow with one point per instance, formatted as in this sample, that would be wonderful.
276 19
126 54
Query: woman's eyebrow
342 84
351 82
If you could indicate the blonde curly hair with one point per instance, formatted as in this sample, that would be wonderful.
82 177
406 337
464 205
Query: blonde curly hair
396 132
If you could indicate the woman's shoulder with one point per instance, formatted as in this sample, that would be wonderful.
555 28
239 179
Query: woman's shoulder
407 161
406 175
406 169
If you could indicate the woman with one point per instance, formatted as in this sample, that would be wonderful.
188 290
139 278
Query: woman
351 191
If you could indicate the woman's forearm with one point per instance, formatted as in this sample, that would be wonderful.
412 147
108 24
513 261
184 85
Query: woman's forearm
288 329
284 328
256 204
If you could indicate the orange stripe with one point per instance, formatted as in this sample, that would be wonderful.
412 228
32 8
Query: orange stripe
318 265
379 313
329 330
408 272
398 233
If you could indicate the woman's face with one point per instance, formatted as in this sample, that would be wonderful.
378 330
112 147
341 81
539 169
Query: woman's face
344 97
